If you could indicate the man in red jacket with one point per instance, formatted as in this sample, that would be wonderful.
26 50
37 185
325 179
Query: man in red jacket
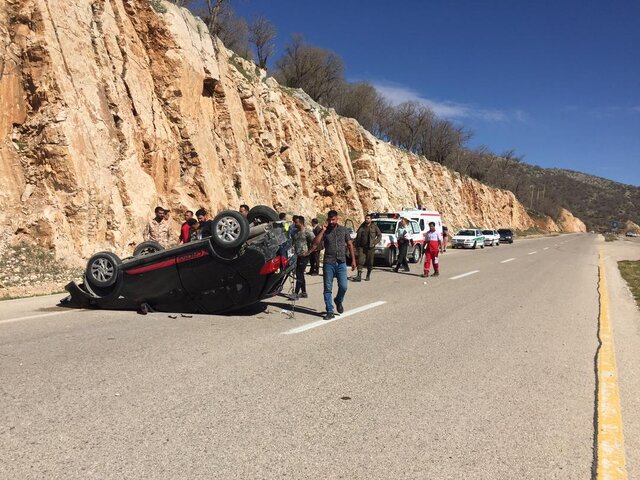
184 229
432 245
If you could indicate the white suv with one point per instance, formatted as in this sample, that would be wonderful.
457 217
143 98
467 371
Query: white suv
387 249
491 238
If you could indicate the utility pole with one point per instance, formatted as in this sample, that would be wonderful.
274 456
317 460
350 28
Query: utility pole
531 202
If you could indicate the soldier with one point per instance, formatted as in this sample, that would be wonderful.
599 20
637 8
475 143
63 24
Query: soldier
367 237
403 245
158 229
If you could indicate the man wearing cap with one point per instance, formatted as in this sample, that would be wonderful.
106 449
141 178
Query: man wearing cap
157 229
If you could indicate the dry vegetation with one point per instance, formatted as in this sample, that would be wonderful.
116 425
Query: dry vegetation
630 271
31 270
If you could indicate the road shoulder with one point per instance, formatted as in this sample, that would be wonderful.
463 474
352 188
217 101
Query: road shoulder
625 318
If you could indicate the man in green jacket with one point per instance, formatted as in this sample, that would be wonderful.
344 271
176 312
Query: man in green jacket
367 237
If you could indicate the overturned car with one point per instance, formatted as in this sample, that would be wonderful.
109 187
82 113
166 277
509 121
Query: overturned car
244 261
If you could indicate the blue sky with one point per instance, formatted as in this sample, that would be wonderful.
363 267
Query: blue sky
558 81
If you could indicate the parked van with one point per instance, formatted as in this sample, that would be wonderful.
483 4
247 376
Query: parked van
423 217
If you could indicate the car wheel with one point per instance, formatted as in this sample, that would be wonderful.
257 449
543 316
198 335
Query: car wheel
147 248
482 245
392 256
415 254
102 269
262 214
474 245
229 229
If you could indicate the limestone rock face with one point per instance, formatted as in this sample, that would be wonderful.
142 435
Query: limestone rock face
568 223
109 109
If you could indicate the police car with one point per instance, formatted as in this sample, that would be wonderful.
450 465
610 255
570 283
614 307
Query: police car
468 238
387 249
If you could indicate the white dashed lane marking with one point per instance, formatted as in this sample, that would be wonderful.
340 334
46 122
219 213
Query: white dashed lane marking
464 275
531 253
320 323
508 260
50 314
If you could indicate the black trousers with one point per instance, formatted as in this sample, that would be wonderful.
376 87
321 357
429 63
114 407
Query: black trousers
314 259
402 255
366 257
301 265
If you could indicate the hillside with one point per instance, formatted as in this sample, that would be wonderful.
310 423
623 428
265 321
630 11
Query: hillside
109 108
595 200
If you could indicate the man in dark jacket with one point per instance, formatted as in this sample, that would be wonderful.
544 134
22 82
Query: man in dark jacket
336 239
367 237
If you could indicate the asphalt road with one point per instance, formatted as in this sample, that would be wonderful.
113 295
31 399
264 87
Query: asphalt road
486 376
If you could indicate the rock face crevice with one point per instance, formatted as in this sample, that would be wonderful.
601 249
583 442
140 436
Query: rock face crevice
108 109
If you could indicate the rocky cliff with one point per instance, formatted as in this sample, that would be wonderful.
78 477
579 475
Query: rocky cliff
108 108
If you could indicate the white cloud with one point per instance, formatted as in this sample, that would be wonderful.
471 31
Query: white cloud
397 94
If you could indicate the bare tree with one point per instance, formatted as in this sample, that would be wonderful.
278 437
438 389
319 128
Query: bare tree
261 35
318 71
223 23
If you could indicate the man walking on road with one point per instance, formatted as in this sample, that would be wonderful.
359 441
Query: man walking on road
315 256
335 239
367 237
157 229
302 240
403 245
432 244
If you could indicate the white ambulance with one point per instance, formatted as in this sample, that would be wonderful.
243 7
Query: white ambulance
423 217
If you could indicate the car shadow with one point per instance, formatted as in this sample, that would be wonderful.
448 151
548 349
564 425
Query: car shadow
297 308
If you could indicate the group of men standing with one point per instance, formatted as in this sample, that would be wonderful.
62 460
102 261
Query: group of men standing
331 237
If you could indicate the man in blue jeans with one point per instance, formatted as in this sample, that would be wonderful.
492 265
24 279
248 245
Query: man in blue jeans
336 240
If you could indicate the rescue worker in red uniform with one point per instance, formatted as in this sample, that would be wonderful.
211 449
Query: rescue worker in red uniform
432 245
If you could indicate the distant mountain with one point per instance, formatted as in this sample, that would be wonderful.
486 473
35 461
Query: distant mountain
595 200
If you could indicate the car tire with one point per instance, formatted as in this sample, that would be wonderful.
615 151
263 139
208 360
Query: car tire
102 269
474 245
229 229
415 254
392 257
147 248
482 245
262 214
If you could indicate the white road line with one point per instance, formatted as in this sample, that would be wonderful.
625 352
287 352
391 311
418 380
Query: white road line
531 253
464 275
50 314
508 260
546 248
319 323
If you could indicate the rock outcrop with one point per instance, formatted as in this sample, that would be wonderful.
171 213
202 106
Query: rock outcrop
108 109
569 223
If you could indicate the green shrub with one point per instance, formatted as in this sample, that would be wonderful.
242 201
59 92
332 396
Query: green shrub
158 6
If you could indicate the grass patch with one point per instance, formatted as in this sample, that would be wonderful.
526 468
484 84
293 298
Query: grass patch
354 154
288 90
630 271
610 237
234 60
